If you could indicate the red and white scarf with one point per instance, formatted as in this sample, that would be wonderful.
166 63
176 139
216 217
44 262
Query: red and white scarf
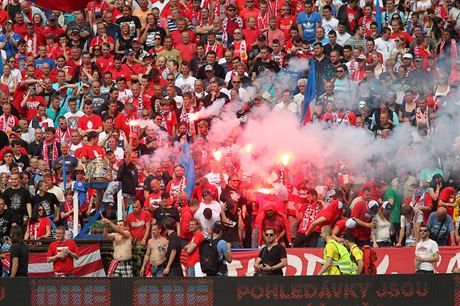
7 123
241 50
45 152
63 135
262 21
421 117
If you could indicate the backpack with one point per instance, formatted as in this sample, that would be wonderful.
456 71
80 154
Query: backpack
369 259
209 257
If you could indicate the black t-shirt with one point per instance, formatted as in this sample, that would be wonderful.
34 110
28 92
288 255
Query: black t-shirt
161 213
21 251
260 66
22 161
150 39
273 257
164 180
35 149
49 202
98 101
234 200
7 218
16 199
174 243
141 149
128 176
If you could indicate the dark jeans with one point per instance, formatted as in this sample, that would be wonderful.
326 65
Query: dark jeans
384 243
310 241
362 243
424 272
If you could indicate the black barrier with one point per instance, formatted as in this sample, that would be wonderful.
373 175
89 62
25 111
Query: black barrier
440 289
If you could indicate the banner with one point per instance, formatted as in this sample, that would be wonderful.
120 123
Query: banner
62 5
88 265
305 261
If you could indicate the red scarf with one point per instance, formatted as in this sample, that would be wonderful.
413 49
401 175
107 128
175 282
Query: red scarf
45 152
262 21
63 136
6 124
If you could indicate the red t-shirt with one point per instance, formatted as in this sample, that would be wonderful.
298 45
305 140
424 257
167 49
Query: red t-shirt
90 123
37 229
152 200
186 215
123 72
428 201
105 63
360 212
137 224
56 31
187 51
193 258
90 152
332 213
136 68
445 196
171 121
65 265
285 24
32 106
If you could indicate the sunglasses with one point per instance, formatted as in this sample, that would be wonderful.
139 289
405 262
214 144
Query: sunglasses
41 209
236 82
236 181
206 194
269 234
170 79
425 230
340 71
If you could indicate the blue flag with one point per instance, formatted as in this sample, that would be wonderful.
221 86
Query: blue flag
378 16
309 95
186 160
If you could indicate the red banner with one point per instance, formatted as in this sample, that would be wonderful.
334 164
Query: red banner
308 261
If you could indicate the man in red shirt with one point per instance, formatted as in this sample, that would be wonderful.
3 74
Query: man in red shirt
362 213
119 70
52 27
90 150
139 223
61 253
122 121
89 122
186 48
193 249
187 216
105 62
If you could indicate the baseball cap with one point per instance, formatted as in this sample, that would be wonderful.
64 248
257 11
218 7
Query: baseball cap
387 206
362 56
350 223
418 59
208 68
16 128
97 15
408 55
9 21
232 6
373 206
74 31
135 39
129 51
52 17
262 37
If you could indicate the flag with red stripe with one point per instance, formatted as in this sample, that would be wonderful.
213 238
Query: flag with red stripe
88 265
62 5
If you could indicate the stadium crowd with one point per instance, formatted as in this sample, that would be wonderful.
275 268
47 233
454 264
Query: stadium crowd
114 93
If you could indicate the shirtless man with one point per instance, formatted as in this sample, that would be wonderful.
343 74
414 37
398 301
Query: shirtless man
155 257
121 265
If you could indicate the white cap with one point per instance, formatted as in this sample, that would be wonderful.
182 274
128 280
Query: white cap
340 205
387 205
350 223
373 206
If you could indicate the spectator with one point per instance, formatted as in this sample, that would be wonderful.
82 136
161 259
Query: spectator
426 252
121 265
441 227
19 254
62 253
272 258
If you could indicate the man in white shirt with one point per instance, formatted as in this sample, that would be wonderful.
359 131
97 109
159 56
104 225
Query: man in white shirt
186 81
215 176
342 35
384 45
329 22
426 252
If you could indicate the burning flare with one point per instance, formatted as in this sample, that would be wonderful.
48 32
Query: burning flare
265 190
193 117
285 159
217 155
